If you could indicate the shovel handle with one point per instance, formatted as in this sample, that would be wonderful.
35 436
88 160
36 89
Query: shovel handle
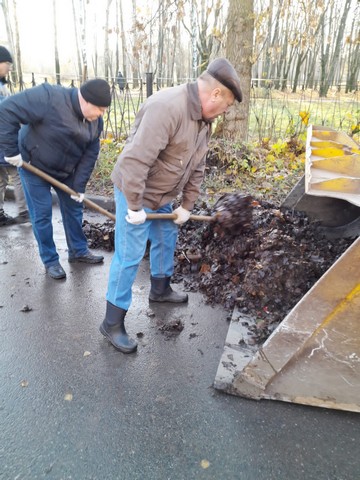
173 216
65 188
95 206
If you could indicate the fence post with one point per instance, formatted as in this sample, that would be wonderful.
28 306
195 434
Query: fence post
149 84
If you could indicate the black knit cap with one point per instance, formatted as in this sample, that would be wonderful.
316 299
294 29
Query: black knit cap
96 92
225 73
5 55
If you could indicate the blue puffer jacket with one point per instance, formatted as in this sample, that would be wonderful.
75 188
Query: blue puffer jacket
45 124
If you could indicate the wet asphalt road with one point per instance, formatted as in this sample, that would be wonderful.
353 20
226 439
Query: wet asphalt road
71 407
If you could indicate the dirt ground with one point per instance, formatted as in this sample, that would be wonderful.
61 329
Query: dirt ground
264 268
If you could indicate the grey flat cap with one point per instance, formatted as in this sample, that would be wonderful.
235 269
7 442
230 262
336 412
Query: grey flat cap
225 73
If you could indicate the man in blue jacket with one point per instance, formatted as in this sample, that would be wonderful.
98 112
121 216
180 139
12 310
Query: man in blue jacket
57 130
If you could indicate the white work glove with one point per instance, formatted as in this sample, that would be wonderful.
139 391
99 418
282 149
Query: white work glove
183 215
79 197
17 161
136 218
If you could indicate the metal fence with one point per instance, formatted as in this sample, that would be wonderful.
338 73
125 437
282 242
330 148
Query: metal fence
273 114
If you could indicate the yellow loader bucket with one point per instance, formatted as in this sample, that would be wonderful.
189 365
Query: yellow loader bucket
313 357
329 192
332 167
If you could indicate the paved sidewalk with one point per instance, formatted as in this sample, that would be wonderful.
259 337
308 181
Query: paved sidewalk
71 407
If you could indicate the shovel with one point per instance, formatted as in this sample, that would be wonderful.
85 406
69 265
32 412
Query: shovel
95 206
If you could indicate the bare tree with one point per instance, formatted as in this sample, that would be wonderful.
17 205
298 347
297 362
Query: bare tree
135 48
6 13
330 59
82 22
161 41
78 50
206 32
107 56
353 43
123 41
239 51
56 49
10 13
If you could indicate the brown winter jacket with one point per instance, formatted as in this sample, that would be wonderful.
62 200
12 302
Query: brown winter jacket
164 155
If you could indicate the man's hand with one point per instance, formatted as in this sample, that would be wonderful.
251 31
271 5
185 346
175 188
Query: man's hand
183 215
79 197
136 217
16 161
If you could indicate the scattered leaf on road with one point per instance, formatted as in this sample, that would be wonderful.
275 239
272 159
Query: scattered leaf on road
205 464
26 308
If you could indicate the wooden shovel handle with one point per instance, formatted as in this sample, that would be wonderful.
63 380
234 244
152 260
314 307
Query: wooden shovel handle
173 216
65 188
95 206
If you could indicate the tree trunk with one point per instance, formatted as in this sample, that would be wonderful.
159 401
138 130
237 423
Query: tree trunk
107 56
78 51
328 79
300 60
194 51
172 54
82 21
13 46
282 64
56 49
117 50
17 49
239 50
135 66
353 60
160 55
123 41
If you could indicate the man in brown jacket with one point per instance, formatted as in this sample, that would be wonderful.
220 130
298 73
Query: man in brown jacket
164 158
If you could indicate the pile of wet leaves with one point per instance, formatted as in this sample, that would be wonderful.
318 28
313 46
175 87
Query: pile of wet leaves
263 270
100 235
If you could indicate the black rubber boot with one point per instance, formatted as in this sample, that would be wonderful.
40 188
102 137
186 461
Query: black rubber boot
162 292
113 329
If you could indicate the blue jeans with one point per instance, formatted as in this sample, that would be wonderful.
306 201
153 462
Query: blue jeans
130 246
39 200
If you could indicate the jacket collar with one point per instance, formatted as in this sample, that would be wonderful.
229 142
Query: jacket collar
76 104
194 101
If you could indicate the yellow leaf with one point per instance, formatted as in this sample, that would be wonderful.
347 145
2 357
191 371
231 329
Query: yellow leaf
86 353
304 117
24 383
68 397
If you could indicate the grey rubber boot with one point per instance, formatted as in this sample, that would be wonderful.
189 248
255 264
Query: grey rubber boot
113 328
162 292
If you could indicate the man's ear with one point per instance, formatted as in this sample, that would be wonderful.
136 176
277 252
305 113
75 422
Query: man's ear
216 93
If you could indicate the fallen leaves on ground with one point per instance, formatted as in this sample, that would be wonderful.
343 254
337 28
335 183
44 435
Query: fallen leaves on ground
263 270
